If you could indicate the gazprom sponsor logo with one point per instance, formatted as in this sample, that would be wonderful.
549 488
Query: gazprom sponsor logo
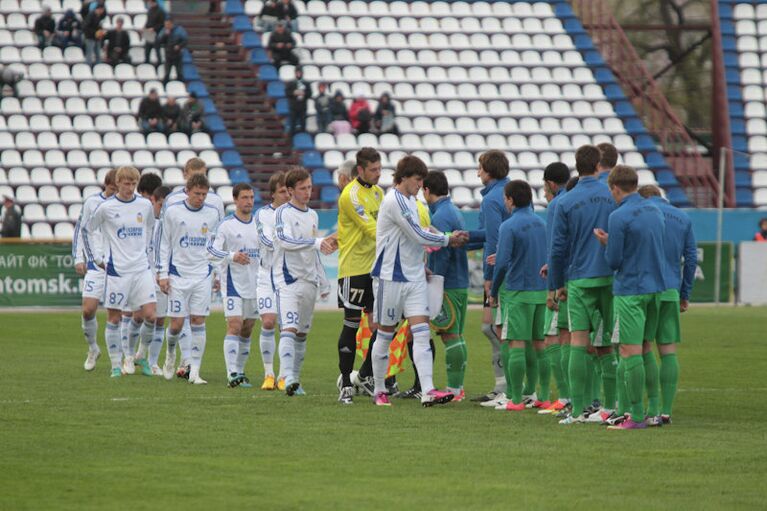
193 241
130 232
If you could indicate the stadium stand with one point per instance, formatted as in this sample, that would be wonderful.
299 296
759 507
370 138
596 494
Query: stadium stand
744 40
71 122
464 76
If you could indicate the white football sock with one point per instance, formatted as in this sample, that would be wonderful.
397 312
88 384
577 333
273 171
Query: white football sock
185 341
300 351
422 356
156 346
500 377
243 353
230 353
146 332
197 345
380 359
266 343
124 334
287 354
172 340
114 346
134 331
90 330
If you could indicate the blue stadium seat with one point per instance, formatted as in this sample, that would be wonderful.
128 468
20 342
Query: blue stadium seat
666 179
739 143
614 93
645 143
223 141
742 178
303 142
208 106
744 197
727 27
322 177
604 75
573 26
593 58
634 126
736 109
233 8
563 10
251 40
734 93
583 42
214 123
282 107
625 109
231 159
259 57
239 176
268 73
329 194
655 160
198 88
190 72
241 23
186 57
738 126
312 160
741 163
276 89
677 197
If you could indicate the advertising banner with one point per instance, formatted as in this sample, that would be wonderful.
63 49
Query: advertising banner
38 274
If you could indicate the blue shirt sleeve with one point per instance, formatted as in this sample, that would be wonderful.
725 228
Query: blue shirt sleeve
493 221
502 259
614 251
558 249
690 263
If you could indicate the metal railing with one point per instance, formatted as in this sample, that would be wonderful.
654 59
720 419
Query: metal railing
694 172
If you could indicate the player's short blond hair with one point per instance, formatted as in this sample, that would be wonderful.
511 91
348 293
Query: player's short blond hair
127 172
195 166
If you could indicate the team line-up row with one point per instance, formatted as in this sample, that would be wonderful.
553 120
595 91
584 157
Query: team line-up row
580 297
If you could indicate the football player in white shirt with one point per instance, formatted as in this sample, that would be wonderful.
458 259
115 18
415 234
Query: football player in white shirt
267 304
93 283
126 222
297 273
399 279
235 247
183 268
192 167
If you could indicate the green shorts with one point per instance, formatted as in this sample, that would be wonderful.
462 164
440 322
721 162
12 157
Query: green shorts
524 314
636 318
562 317
590 302
452 317
669 330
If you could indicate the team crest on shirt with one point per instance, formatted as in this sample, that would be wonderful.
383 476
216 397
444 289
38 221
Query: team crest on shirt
140 218
204 229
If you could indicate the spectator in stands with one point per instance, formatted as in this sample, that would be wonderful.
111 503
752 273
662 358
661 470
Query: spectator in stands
385 116
298 92
340 123
94 35
174 39
360 115
69 31
281 44
155 20
150 113
322 102
761 235
45 28
287 12
11 224
269 16
117 44
11 78
192 116
171 113
88 6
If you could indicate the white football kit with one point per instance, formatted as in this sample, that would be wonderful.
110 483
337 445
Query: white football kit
399 275
297 272
126 233
183 259
239 281
162 298
265 225
95 277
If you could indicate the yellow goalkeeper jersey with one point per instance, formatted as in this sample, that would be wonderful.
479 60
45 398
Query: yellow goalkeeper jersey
358 208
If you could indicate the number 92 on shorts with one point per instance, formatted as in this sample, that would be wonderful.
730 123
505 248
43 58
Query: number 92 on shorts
295 305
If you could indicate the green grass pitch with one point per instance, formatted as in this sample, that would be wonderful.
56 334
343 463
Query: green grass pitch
76 440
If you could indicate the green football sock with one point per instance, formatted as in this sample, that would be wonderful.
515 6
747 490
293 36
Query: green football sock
565 364
505 353
517 368
531 369
620 379
669 378
554 355
577 371
608 365
589 385
652 384
635 382
454 363
596 382
544 374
